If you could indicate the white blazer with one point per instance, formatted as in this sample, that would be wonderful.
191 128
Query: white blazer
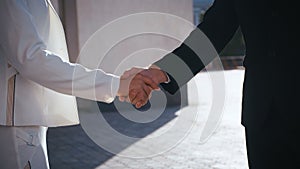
37 81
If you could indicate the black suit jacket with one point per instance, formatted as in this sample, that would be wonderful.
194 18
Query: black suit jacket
270 34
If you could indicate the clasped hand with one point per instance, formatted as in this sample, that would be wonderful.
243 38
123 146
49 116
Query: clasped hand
137 84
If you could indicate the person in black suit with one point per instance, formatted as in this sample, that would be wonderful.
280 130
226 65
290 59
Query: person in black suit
270 113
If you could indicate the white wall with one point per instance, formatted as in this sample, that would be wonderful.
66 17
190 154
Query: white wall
92 17
136 49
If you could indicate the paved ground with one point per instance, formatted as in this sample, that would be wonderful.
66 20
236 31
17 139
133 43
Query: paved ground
71 148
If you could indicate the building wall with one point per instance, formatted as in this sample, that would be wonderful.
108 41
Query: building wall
102 13
82 19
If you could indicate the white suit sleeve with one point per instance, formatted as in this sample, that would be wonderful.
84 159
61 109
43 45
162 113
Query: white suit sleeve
23 47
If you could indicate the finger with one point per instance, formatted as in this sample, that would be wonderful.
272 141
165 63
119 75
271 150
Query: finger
127 99
139 105
131 72
136 96
135 99
135 70
158 89
122 98
138 86
146 97
132 94
148 81
126 74
141 98
147 90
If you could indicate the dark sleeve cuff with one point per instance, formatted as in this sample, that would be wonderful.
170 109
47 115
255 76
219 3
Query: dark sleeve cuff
172 86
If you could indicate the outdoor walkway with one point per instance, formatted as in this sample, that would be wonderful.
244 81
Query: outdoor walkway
71 148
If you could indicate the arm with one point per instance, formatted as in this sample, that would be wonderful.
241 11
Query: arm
25 49
219 25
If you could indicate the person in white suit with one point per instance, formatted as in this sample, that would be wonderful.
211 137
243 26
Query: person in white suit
38 84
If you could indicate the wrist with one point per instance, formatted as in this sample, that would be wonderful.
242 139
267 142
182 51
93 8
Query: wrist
160 75
123 87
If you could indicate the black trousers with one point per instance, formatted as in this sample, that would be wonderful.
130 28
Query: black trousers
273 146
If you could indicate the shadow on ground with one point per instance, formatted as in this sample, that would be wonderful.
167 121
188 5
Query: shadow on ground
71 148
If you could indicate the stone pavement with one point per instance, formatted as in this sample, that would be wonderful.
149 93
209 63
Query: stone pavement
71 148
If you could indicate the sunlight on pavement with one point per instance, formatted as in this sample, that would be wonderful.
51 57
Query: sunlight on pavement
224 149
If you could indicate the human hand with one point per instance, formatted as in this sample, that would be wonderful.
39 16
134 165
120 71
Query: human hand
157 75
140 97
140 87
140 91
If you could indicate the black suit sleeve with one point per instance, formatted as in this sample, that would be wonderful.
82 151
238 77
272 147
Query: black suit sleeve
201 46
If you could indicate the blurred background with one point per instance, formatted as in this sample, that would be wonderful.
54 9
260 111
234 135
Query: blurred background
70 147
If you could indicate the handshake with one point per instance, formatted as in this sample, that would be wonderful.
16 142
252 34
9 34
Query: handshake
137 84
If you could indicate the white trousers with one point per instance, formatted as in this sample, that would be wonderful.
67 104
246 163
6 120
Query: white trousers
23 147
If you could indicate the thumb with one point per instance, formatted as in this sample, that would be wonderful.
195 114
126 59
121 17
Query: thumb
131 72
